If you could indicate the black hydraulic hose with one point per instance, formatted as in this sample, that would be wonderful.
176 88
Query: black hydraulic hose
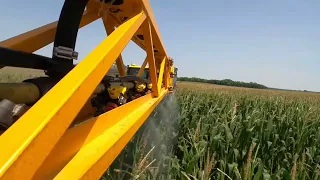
10 57
66 36
68 24
69 21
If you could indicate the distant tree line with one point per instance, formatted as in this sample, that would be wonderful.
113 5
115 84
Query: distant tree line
226 82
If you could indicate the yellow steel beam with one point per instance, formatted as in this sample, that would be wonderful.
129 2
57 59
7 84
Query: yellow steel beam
33 136
154 27
166 75
101 139
160 78
140 72
109 144
109 26
150 56
80 135
120 66
42 36
134 39
85 113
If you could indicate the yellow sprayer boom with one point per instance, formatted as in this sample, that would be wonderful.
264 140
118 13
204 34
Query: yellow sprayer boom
75 121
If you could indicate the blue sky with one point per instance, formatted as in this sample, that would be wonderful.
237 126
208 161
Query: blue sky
274 42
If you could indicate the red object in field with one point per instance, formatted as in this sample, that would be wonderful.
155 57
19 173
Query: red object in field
110 106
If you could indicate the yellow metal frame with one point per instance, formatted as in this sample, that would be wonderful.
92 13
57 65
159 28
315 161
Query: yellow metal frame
41 144
141 70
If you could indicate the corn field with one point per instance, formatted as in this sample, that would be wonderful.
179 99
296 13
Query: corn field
215 132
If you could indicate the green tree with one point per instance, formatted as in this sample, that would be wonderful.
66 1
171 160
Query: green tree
226 82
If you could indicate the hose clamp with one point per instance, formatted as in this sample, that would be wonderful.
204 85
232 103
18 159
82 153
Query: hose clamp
65 53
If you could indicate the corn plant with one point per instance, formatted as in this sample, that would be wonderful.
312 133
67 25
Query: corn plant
214 132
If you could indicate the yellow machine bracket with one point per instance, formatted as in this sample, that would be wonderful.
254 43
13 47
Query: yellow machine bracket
78 111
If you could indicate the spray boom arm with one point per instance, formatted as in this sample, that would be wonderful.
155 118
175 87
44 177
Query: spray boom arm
59 128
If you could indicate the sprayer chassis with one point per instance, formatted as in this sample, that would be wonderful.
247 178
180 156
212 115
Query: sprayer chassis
57 138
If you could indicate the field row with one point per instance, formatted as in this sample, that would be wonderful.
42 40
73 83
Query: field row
206 131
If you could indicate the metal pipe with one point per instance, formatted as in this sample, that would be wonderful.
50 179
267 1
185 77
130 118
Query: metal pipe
27 93
32 90
19 92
